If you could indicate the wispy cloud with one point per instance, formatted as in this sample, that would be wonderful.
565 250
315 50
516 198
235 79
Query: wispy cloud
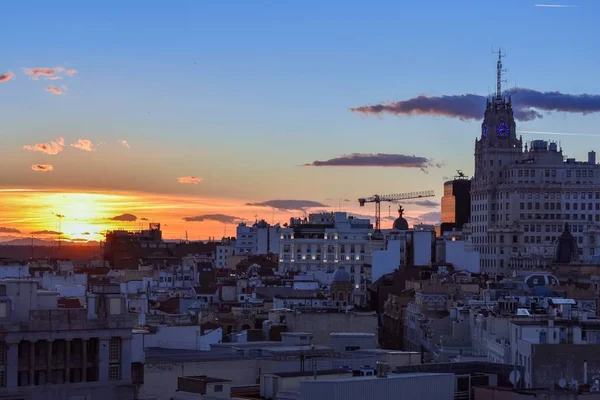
124 143
287 205
46 232
424 203
36 73
84 144
376 160
528 104
556 5
52 148
42 167
124 218
225 219
55 90
6 77
4 229
52 78
71 72
558 133
189 180
433 216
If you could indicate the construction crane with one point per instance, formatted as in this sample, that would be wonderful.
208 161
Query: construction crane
377 199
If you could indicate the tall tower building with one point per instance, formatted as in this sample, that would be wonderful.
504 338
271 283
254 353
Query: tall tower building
522 196
456 203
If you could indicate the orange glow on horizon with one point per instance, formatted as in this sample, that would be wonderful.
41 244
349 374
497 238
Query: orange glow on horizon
87 215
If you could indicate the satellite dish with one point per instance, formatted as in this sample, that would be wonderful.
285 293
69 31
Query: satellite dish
514 377
562 383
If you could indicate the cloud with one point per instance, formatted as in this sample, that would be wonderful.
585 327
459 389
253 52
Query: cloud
6 77
424 203
42 167
556 5
4 229
53 78
558 133
55 90
225 219
71 72
83 144
433 216
36 73
528 104
46 232
124 218
286 205
376 160
189 179
52 148
124 143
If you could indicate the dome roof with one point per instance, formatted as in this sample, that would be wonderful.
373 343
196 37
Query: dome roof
341 275
400 224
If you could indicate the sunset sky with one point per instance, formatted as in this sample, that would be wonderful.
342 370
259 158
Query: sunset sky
200 114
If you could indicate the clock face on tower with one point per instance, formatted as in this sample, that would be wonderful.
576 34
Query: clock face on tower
484 130
503 129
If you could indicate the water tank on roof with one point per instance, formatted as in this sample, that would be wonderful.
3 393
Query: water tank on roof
553 147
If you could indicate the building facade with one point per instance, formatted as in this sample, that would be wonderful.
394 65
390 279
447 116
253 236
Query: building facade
456 204
52 353
326 241
522 195
259 238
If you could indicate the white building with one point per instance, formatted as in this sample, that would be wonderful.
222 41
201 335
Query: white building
522 195
326 241
260 238
223 250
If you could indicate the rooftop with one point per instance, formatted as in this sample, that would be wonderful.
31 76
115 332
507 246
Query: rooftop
374 377
295 374
155 355
352 334
204 378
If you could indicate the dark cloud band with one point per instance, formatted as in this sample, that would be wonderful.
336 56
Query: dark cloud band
528 104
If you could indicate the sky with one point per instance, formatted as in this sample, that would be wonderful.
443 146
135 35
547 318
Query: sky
201 114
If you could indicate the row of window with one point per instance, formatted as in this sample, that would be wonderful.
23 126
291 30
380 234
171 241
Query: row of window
538 195
330 248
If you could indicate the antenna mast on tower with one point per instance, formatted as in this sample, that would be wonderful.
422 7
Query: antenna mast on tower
499 72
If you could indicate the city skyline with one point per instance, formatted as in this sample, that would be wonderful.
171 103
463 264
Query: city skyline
201 116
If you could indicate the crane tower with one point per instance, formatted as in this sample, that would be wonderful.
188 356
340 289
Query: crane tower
377 199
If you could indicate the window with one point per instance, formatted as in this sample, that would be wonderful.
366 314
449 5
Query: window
218 388
115 306
3 309
114 349
114 372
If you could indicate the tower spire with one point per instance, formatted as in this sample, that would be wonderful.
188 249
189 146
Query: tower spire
499 75
499 72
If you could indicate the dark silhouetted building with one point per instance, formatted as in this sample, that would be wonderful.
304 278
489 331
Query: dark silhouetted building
456 203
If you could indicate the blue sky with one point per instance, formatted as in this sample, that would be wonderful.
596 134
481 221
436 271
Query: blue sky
241 93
